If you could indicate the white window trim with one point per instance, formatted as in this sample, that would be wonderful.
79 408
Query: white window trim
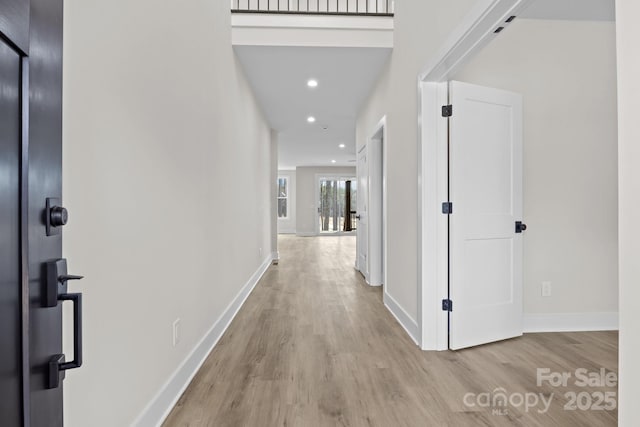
287 198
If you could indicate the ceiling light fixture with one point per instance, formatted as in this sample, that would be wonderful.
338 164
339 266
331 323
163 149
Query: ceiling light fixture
311 119
333 161
341 146
312 83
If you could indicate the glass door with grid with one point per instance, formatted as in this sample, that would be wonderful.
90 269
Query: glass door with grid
337 205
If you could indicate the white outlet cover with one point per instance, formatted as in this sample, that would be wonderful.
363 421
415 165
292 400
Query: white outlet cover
176 332
546 289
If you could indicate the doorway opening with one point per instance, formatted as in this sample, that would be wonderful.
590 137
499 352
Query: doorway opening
567 160
337 201
372 212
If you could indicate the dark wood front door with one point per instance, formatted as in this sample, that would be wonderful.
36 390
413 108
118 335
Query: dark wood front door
30 173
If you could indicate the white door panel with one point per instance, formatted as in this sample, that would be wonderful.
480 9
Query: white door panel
362 231
485 184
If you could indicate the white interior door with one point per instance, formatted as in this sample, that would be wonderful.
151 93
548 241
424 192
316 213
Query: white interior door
485 186
362 229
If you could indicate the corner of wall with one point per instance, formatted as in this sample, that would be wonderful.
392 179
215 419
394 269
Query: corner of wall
154 414
405 320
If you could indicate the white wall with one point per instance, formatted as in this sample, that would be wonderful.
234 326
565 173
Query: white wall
306 197
288 225
628 34
420 29
566 72
311 30
167 177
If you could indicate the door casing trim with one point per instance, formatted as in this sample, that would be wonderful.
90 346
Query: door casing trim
377 147
24 241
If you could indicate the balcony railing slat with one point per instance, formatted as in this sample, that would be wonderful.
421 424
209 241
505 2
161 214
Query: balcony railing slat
343 7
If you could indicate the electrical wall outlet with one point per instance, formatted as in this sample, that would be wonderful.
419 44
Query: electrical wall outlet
546 289
260 251
176 332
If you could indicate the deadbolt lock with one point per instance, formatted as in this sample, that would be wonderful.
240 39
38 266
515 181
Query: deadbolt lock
55 215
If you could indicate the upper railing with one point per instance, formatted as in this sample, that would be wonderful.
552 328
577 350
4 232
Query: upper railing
315 7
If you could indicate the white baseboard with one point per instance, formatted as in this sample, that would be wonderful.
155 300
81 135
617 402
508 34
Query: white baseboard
570 322
163 402
409 325
306 234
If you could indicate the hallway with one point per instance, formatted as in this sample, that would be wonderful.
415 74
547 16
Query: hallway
314 346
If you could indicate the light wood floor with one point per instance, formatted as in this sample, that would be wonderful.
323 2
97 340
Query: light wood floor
314 346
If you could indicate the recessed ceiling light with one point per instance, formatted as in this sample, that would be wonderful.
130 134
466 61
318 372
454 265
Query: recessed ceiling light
311 119
333 161
341 146
312 83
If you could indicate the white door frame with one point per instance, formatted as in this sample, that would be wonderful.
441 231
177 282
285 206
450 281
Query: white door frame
377 211
475 32
336 176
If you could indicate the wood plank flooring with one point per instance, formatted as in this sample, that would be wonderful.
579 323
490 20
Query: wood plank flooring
314 346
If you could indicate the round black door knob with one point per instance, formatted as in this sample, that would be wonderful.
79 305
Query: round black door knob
59 216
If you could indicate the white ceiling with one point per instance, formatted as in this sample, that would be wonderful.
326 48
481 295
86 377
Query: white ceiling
580 10
278 76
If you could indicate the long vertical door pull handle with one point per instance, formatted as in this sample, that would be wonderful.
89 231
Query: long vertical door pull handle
77 331
57 363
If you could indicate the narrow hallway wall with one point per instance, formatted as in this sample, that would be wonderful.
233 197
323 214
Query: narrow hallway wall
168 181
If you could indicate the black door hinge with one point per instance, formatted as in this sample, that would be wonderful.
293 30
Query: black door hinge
520 227
447 305
447 110
447 208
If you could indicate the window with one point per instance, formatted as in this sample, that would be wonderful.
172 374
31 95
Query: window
283 197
